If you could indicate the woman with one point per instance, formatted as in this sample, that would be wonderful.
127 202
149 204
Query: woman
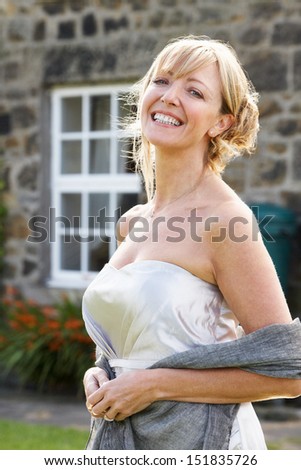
190 272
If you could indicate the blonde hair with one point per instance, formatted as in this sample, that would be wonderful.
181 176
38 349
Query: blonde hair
239 98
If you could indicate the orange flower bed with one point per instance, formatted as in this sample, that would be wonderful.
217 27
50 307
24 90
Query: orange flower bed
44 345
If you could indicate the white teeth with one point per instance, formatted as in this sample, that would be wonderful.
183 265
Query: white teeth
164 119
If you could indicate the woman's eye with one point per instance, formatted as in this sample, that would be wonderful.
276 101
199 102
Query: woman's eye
197 94
160 81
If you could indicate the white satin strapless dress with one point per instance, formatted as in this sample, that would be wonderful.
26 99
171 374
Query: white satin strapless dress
150 309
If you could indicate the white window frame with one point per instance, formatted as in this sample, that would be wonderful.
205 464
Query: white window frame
84 183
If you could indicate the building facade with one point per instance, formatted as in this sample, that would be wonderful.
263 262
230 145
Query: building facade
64 66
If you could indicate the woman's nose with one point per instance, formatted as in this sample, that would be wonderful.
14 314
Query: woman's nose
171 95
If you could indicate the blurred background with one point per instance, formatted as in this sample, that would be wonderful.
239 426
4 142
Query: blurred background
65 177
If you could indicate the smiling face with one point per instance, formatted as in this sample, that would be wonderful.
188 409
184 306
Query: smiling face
183 111
194 91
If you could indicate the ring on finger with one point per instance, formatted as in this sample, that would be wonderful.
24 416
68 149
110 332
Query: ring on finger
89 407
108 419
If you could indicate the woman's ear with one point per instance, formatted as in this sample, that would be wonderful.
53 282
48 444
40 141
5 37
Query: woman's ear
224 123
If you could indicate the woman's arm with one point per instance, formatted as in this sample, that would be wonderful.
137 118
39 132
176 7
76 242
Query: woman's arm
133 391
244 271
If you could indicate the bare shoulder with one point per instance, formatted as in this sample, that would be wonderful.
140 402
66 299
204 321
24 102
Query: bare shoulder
230 213
124 223
235 211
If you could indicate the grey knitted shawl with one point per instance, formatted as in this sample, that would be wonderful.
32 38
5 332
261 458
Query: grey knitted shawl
273 351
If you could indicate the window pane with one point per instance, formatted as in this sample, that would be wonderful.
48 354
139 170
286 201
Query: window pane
71 157
99 156
70 254
71 209
99 207
98 253
100 110
72 114
124 161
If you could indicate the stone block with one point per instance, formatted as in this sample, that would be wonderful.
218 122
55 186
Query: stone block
296 106
66 30
287 34
276 148
268 172
177 17
19 29
39 31
212 16
297 70
268 107
28 176
17 227
288 127
31 144
268 71
167 3
89 25
112 24
110 4
156 19
11 71
5 124
10 270
142 4
28 267
234 174
253 36
16 93
78 5
54 7
23 117
266 10
11 142
297 161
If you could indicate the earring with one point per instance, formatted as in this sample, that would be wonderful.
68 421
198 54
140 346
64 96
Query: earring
211 133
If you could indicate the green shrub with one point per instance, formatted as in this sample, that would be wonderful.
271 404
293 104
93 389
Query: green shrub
44 346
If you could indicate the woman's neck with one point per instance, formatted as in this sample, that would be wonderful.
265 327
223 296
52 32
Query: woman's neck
177 178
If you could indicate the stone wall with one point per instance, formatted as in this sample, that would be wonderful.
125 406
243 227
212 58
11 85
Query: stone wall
46 43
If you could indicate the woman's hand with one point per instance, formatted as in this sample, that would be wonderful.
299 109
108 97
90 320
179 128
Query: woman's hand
119 398
94 378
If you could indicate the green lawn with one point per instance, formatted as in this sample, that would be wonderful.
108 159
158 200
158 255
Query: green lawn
24 436
21 436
